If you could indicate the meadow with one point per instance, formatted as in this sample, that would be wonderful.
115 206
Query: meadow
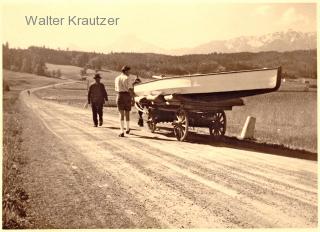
76 93
286 117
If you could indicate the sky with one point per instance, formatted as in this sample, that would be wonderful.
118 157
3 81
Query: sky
165 24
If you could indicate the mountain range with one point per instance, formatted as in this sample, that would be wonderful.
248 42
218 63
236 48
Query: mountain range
289 40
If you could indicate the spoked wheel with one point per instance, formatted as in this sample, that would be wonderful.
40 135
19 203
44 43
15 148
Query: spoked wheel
180 125
217 126
152 125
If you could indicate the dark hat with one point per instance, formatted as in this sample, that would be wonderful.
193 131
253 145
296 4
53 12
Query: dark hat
125 68
97 75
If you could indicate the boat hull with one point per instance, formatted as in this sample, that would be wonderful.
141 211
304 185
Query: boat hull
219 85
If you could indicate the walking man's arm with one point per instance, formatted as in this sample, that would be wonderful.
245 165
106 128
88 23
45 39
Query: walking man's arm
89 93
105 94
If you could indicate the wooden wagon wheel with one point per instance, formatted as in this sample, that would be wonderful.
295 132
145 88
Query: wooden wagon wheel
218 124
181 124
152 125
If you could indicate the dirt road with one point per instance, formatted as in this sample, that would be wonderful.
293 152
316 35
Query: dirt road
93 179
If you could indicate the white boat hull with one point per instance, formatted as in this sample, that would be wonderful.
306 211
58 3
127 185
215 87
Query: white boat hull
264 79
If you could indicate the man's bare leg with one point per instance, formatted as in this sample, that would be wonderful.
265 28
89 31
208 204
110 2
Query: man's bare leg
121 121
127 114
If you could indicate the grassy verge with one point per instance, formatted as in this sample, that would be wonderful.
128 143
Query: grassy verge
288 118
14 197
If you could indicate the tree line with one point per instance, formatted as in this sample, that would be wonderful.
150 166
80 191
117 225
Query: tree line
295 64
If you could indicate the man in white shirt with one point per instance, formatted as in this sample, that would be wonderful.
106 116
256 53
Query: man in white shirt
124 87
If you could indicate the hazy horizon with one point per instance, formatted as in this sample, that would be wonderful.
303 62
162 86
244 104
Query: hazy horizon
159 24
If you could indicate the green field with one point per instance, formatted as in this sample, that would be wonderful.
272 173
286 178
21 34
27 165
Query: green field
288 116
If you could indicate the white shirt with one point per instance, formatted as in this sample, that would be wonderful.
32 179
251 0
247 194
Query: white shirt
123 83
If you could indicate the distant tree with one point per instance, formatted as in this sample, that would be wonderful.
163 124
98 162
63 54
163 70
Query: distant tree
81 59
83 71
6 56
6 86
38 66
95 63
58 73
16 61
53 73
26 65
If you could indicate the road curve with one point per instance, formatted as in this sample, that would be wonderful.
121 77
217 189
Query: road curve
153 181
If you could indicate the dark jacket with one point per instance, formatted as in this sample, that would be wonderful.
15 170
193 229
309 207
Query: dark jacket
97 93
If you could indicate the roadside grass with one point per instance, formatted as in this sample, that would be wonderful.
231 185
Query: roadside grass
288 118
14 197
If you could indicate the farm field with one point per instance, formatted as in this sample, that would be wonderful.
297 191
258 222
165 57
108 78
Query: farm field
68 71
76 93
287 117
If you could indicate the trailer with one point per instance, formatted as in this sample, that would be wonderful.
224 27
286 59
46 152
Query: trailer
184 113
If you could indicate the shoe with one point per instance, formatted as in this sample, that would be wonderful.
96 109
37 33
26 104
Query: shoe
121 135
100 123
95 125
127 131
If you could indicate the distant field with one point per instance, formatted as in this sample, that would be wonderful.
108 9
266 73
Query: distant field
288 116
76 94
19 81
68 71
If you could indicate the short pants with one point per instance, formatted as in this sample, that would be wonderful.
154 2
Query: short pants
124 101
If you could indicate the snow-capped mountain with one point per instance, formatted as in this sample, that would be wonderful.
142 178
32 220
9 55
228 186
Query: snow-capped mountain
279 41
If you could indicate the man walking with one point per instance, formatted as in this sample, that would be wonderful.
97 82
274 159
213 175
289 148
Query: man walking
97 95
124 87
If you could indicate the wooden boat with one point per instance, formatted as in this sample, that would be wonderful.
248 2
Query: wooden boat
214 86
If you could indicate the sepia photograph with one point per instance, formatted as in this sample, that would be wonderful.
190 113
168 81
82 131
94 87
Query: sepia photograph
159 114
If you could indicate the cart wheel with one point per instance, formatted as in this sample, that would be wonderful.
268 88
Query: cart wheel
152 125
180 125
151 120
218 125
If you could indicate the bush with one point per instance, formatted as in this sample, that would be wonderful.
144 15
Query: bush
6 87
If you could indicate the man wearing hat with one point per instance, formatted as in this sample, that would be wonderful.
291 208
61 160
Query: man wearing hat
124 87
97 95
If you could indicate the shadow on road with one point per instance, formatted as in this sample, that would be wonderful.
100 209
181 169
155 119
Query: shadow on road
114 128
149 137
249 145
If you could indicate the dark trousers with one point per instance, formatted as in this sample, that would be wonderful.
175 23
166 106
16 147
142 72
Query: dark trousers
97 109
140 120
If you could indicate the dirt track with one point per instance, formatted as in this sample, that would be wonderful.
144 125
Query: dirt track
96 180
